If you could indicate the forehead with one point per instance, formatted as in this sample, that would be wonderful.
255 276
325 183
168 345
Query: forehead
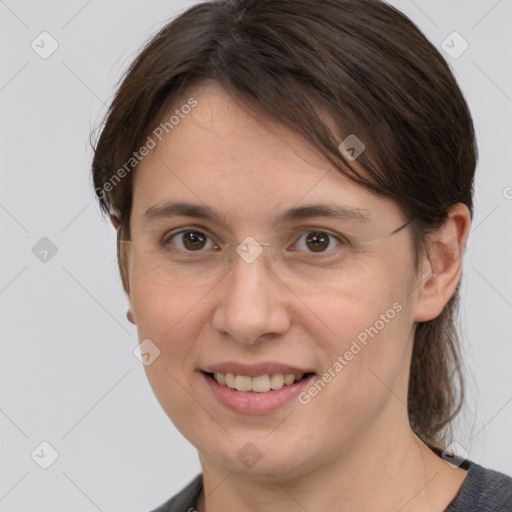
235 159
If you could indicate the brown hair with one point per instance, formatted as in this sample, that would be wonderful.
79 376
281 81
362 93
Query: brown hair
376 75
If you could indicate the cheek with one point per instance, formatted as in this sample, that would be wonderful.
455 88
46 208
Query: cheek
365 336
169 317
161 312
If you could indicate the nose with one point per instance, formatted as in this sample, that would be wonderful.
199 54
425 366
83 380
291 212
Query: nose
252 301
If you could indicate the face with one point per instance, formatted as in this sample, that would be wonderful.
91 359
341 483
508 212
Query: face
331 308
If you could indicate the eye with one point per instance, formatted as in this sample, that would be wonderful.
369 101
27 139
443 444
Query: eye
316 241
189 240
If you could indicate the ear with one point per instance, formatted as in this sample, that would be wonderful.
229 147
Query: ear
129 316
442 268
116 221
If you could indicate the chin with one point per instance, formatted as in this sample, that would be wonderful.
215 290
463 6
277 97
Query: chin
258 457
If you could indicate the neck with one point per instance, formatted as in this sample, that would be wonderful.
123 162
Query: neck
384 469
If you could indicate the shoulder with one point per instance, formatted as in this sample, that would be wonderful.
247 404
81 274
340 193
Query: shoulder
483 489
185 500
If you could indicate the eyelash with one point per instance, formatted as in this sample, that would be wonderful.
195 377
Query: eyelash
169 236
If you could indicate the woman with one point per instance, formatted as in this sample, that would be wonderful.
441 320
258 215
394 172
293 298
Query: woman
291 183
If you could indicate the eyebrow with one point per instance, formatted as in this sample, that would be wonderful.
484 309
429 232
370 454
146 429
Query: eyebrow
308 211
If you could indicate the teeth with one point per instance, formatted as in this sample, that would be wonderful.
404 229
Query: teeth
220 378
288 379
230 380
277 381
243 383
259 384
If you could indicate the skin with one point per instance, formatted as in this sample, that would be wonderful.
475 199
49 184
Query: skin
351 447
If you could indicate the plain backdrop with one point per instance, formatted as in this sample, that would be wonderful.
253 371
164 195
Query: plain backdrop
68 374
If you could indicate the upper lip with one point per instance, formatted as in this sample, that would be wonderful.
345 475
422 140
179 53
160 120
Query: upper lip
253 370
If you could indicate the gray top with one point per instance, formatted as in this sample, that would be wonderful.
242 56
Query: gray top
483 490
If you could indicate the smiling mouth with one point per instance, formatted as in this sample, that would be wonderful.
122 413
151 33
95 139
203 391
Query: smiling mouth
258 384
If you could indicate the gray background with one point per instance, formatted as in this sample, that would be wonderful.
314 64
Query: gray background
68 375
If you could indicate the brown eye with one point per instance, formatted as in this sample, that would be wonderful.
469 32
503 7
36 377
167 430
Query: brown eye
189 241
194 240
317 241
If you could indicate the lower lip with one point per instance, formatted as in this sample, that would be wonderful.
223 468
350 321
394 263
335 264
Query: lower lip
251 402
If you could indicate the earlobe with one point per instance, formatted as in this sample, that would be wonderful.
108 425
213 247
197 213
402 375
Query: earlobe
116 222
130 317
443 265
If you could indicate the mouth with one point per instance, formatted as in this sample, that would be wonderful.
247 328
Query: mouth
258 384
258 394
